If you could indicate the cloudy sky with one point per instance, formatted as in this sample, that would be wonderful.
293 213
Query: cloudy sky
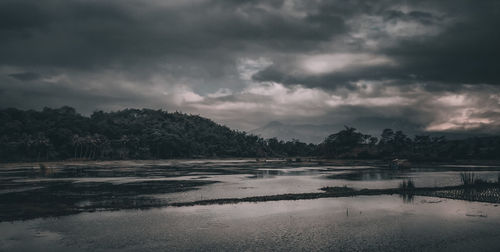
430 64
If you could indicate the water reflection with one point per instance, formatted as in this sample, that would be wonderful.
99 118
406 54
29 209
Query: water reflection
77 187
407 197
371 223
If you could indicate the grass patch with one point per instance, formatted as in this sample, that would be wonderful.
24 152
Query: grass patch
407 190
468 178
407 185
337 189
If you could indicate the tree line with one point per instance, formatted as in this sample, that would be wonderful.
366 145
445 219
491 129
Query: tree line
62 134
349 143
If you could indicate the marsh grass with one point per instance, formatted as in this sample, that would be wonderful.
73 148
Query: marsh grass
407 190
337 189
43 168
468 178
46 171
407 185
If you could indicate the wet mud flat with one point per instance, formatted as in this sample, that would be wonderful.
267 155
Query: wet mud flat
245 205
29 191
488 192
34 190
64 198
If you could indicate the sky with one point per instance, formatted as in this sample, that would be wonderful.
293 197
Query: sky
433 65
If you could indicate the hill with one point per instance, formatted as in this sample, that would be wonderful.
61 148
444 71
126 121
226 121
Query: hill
57 134
308 133
61 134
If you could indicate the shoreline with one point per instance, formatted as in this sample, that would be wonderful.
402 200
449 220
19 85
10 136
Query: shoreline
472 193
475 162
336 192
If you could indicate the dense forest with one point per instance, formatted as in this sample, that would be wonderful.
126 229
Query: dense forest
62 134
349 143
59 134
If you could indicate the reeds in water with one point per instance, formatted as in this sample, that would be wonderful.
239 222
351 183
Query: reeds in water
407 185
468 178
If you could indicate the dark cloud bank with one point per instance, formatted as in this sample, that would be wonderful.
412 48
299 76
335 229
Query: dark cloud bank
427 65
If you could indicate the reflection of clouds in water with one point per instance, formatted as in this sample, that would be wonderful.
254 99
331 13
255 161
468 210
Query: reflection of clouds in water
373 222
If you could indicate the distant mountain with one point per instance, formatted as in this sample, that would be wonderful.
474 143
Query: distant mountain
311 133
308 133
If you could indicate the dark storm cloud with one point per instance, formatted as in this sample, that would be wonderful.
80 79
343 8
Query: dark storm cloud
363 61
25 94
423 17
464 51
100 33
26 76
331 80
123 34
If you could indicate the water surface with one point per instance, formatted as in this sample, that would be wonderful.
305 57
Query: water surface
85 201
382 223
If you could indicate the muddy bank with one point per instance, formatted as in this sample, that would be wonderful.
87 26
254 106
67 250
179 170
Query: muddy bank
485 194
489 192
66 198
30 191
330 192
49 199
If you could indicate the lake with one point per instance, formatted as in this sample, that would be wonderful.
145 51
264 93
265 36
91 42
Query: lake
126 206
